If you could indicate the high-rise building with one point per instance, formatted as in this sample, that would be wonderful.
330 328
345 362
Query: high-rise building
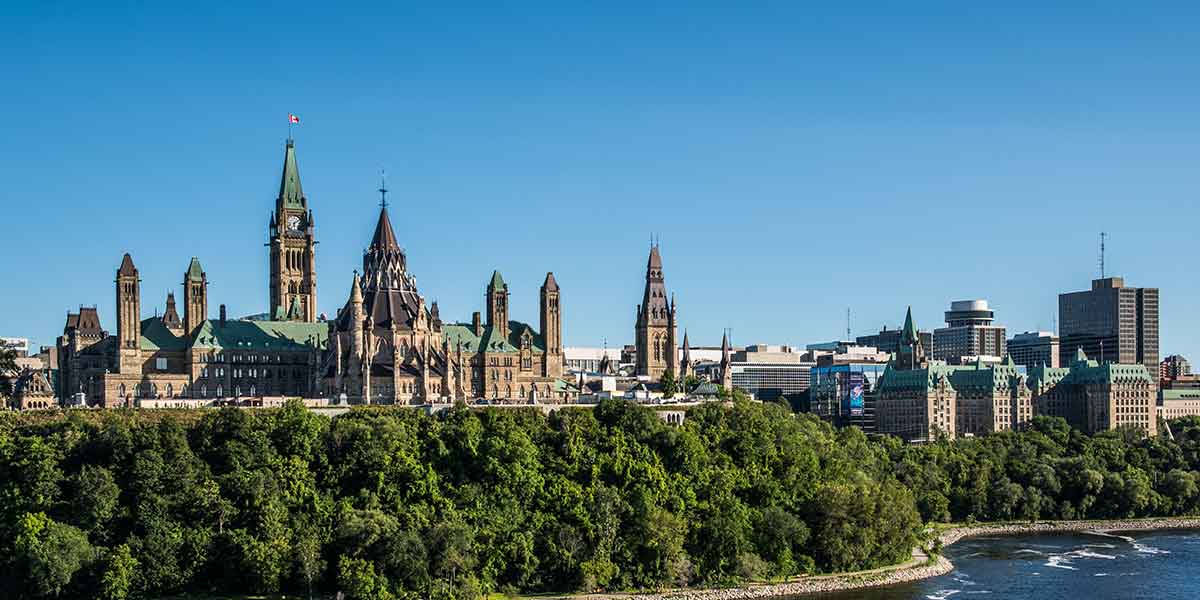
1174 367
969 332
1034 349
1112 322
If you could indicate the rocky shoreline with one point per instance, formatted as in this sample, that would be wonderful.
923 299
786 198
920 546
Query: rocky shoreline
911 571
955 534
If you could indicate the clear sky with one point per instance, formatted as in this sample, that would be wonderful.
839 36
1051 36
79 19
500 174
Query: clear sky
794 160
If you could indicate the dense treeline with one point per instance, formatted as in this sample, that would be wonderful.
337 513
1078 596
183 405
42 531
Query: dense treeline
1051 471
385 503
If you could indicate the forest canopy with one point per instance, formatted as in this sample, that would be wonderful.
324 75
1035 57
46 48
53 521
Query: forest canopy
394 503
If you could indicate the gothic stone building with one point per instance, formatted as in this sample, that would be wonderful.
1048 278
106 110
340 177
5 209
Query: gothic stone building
655 324
919 399
384 346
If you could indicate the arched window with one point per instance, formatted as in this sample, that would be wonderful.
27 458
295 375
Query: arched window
219 394
170 390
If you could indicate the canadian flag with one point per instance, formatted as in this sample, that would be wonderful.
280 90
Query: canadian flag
293 118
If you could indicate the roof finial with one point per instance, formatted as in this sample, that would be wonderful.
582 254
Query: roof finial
382 189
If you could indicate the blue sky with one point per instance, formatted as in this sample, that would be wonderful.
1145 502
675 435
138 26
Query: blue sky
794 160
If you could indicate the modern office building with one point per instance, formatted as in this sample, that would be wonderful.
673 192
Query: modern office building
969 331
1174 403
1174 367
1034 349
770 373
843 394
1112 323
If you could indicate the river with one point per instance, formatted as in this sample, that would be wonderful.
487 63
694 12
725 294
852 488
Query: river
1148 564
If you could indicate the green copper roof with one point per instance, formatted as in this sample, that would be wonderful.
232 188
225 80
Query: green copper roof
497 281
462 335
195 272
290 191
156 336
261 335
910 329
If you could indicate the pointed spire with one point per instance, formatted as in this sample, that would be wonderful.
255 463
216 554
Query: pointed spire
725 345
497 281
290 192
385 237
550 284
194 272
910 330
655 261
127 268
356 296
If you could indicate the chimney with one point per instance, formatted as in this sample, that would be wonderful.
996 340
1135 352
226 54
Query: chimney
222 315
476 324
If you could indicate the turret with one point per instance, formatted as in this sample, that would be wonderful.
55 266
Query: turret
195 296
551 327
497 304
129 305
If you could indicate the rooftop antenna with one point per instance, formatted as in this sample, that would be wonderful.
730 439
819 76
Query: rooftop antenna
847 323
382 189
1102 238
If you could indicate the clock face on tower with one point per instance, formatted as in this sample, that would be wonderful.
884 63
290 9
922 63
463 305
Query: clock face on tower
293 223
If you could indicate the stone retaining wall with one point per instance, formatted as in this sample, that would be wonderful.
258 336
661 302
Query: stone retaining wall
953 535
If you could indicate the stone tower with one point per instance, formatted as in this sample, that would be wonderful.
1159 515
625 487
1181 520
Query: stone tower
497 304
654 332
291 242
129 316
195 296
551 328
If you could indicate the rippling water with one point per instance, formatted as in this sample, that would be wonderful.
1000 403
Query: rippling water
1090 566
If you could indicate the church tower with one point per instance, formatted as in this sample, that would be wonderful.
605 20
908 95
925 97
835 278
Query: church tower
654 332
551 328
497 304
195 296
129 317
726 364
292 248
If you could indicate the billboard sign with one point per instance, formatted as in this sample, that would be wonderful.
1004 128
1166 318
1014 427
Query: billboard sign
855 382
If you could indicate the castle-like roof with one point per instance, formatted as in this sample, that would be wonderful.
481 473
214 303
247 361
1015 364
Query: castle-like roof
462 335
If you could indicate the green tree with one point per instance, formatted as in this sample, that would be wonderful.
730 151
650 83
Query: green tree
669 384
51 552
119 571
